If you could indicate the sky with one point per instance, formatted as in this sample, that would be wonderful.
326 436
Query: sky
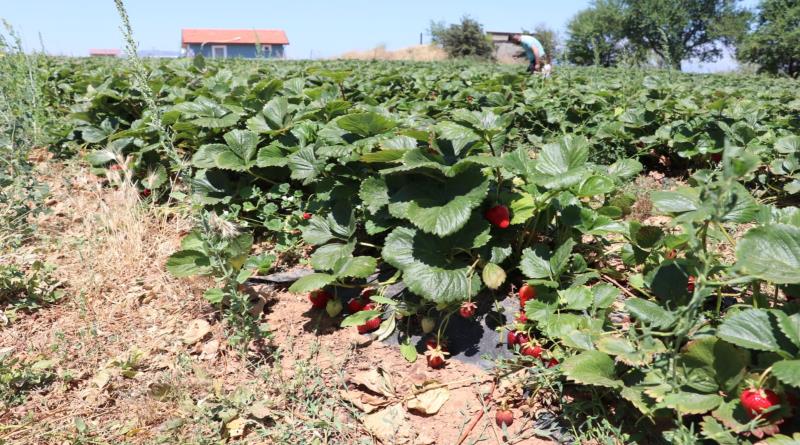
315 28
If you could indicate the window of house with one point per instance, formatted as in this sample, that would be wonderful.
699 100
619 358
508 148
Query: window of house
219 51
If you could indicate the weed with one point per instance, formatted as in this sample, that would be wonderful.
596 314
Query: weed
27 290
19 377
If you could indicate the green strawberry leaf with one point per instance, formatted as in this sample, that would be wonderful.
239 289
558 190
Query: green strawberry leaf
592 368
186 263
428 268
751 329
326 257
440 207
305 165
355 267
359 318
692 403
312 282
374 193
788 372
365 124
771 253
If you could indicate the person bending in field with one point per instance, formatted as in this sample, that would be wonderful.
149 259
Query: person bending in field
534 51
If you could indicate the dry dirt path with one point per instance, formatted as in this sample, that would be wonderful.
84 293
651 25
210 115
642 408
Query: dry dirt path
140 357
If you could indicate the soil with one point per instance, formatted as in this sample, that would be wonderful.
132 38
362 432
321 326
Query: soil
138 352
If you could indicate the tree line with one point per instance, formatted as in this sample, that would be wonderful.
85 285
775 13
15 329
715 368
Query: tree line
639 32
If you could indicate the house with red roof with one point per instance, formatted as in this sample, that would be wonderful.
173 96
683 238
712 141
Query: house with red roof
232 43
104 52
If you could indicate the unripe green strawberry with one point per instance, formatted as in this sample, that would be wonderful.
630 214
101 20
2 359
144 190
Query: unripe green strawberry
428 324
333 307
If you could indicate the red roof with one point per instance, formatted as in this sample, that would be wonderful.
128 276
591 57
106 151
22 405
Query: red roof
103 52
264 36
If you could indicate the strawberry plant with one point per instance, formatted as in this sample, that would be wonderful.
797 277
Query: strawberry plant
440 190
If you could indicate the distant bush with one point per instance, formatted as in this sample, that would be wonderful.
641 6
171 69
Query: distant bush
465 39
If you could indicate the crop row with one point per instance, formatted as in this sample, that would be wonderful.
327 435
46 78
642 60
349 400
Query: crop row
465 182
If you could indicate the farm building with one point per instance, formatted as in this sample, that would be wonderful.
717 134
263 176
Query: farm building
504 50
232 43
97 52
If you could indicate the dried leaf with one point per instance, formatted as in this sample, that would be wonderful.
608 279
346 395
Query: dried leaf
377 380
209 350
196 330
389 425
160 391
260 409
430 401
102 378
365 402
236 427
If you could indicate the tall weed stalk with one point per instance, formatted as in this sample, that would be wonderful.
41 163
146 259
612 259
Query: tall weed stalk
140 82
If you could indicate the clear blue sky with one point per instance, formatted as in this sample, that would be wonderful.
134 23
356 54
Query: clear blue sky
315 28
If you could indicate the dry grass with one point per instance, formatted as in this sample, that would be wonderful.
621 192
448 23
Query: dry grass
109 249
126 374
418 53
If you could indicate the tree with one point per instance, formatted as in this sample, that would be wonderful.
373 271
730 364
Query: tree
465 39
548 38
678 30
597 34
774 43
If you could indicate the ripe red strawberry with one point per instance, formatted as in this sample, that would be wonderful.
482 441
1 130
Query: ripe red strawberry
319 298
370 325
526 292
432 343
116 167
356 304
552 362
467 309
671 254
146 193
435 356
756 401
531 349
522 318
504 417
516 338
306 215
511 338
690 284
498 216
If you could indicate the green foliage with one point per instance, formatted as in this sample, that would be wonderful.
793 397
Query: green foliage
465 39
611 31
597 34
396 165
27 288
684 29
218 249
19 377
774 44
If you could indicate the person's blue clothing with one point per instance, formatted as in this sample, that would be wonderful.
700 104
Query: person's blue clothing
530 42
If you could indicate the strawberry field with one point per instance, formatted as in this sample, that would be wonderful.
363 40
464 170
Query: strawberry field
411 194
